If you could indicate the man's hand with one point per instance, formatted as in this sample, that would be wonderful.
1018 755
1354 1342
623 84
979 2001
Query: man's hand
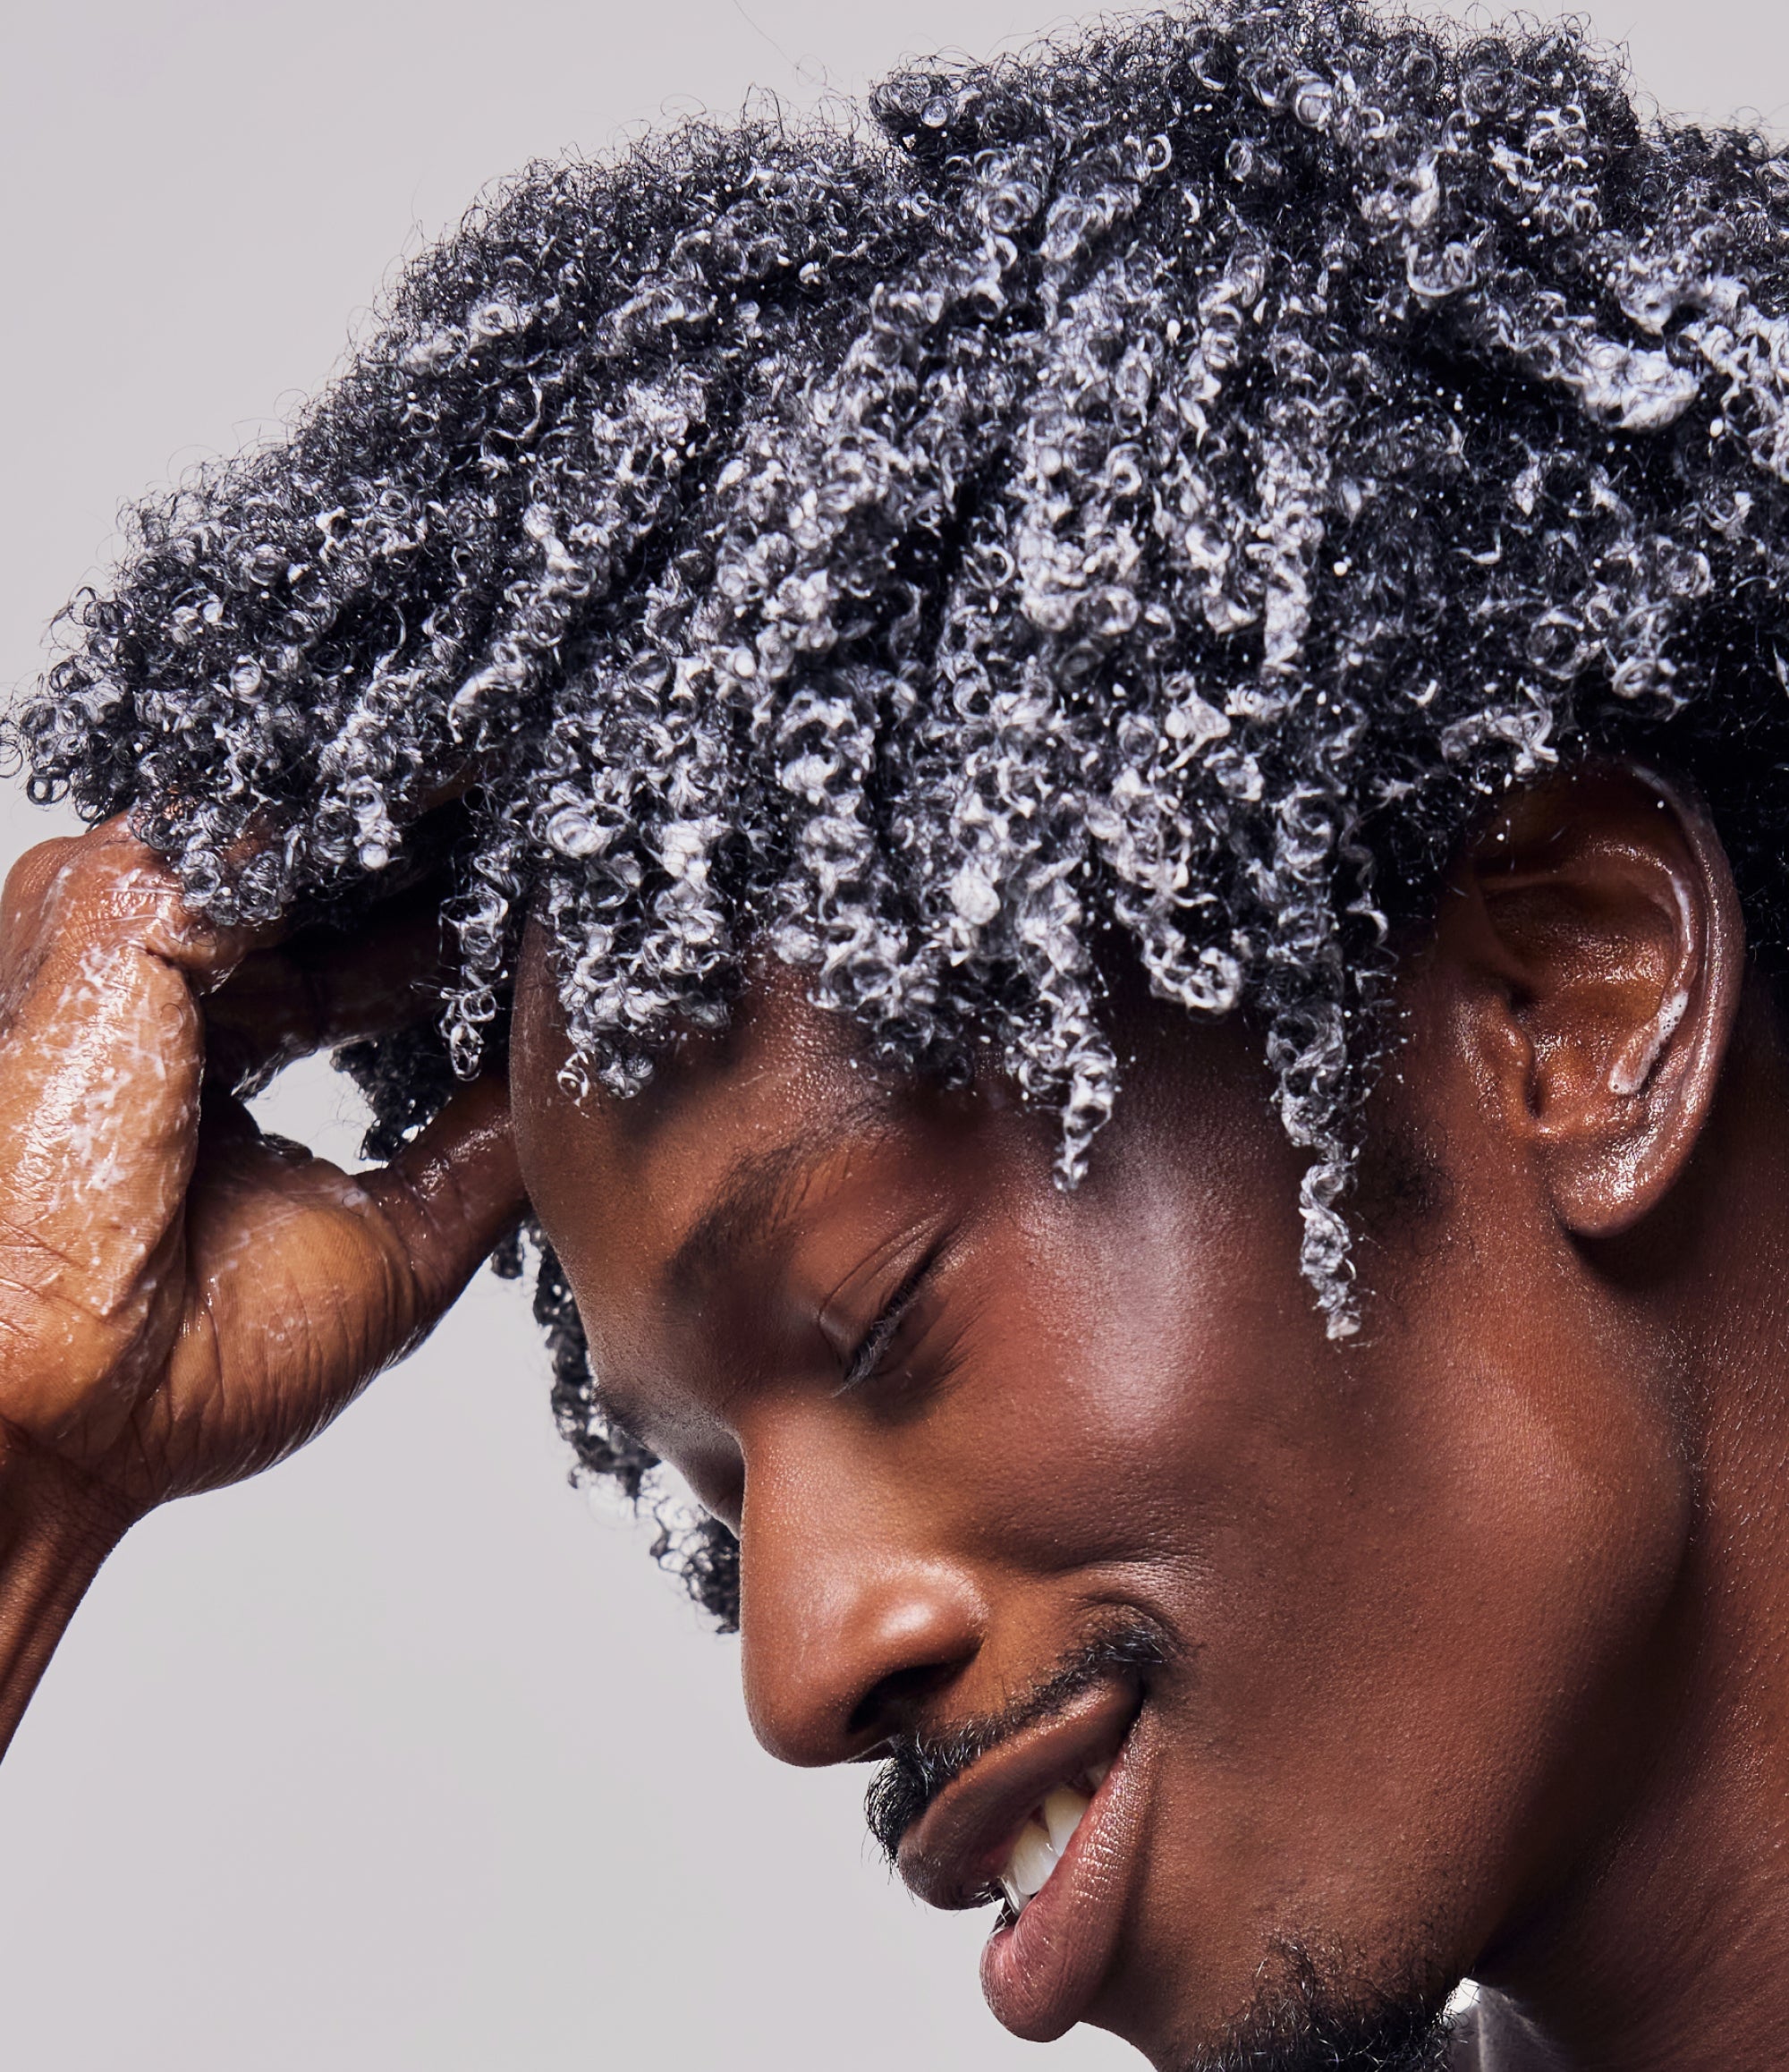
183 1301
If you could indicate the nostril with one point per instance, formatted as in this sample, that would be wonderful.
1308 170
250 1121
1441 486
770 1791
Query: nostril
893 1700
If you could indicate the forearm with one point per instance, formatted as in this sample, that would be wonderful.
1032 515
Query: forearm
55 1533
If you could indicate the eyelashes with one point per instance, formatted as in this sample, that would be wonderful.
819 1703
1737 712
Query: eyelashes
872 1348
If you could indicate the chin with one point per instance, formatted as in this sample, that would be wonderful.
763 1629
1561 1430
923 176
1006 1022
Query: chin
1311 2011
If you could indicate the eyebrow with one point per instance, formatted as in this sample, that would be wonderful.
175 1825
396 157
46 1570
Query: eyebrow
759 1192
746 1213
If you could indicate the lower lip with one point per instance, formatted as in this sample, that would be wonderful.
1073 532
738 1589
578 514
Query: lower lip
1039 1972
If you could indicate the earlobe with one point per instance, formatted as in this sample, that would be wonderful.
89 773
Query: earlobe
1601 921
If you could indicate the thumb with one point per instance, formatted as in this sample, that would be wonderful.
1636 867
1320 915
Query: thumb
306 1281
450 1195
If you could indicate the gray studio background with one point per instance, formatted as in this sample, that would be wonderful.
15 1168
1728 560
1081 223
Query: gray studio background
403 1759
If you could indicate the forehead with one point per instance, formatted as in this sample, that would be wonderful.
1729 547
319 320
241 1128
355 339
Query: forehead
748 1112
774 1113
778 1125
725 1130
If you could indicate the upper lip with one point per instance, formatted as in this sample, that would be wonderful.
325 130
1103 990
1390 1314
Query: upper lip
953 1853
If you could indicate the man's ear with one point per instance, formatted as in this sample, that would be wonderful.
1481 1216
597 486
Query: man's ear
1595 940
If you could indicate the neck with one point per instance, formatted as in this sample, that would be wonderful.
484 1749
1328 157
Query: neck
1670 1946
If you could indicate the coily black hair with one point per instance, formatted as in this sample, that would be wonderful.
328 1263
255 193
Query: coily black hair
1155 489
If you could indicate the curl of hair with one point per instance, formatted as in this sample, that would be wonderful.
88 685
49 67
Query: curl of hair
1156 489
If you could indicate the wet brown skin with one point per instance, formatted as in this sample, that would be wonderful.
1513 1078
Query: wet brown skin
1473 1621
183 1301
1472 1627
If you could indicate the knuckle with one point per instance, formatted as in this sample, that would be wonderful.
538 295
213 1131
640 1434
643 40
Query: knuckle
33 874
76 892
110 884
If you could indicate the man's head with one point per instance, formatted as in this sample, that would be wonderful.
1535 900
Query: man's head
1094 756
1029 1481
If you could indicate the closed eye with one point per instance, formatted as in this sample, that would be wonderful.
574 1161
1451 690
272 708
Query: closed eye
875 1342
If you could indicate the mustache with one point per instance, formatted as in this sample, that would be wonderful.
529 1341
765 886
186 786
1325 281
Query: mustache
919 1767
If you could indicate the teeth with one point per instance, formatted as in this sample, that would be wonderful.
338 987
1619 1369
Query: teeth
1041 1843
1097 1773
1063 1809
1032 1862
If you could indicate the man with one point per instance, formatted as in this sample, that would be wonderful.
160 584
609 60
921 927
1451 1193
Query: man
1106 779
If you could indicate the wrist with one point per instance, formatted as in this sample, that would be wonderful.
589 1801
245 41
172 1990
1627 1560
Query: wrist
57 1529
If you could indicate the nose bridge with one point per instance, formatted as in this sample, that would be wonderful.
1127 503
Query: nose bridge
852 1607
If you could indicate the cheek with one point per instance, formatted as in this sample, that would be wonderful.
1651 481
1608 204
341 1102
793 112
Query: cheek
1405 1710
1134 1355
1409 1581
1123 1422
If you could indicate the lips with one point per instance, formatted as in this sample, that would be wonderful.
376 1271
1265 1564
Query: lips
1047 1957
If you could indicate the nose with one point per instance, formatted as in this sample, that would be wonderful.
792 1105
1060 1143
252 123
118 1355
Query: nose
850 1616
